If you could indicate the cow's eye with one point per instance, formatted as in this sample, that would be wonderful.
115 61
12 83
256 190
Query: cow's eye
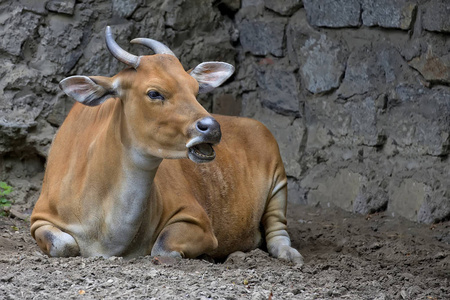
155 95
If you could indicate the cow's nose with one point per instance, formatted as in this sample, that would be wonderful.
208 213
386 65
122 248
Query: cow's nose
210 128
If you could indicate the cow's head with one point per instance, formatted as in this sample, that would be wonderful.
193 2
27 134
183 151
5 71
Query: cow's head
160 109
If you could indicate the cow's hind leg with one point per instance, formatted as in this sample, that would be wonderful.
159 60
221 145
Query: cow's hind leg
56 243
274 222
185 236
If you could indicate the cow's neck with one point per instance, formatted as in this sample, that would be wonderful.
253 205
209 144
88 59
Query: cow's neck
129 204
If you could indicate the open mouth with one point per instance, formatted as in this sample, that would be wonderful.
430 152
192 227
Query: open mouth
200 153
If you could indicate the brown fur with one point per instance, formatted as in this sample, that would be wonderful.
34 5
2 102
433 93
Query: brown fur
97 199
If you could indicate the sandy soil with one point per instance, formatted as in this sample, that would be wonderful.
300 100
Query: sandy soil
346 257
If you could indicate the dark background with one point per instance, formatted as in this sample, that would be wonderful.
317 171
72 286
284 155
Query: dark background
355 91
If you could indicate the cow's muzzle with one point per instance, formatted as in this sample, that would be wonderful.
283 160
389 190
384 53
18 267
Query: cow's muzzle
200 148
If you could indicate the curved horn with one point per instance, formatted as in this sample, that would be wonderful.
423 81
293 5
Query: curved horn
119 53
157 47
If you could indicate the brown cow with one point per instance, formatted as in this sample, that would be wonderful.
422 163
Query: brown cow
115 183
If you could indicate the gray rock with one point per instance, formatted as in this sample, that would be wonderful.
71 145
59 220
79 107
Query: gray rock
283 7
435 16
407 198
321 60
361 74
322 66
279 90
247 3
418 120
263 36
328 122
12 136
298 31
125 8
179 14
64 39
332 188
364 122
370 69
96 59
37 7
41 138
61 6
333 13
296 194
389 14
433 68
348 106
16 27
319 136
371 198
61 108
435 207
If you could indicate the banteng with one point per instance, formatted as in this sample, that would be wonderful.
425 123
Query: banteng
117 181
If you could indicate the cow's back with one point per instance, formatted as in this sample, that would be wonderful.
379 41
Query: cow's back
234 188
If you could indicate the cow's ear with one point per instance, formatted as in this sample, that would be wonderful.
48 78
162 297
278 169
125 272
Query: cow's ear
90 91
211 74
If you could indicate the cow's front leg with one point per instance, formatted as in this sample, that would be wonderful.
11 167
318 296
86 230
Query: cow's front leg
187 238
56 243
274 222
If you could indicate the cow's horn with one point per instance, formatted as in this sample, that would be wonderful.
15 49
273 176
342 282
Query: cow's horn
119 53
157 47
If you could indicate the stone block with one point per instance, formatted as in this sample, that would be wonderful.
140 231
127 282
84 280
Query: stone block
61 6
37 7
435 207
361 74
283 7
435 15
58 50
95 57
322 64
41 138
296 194
15 28
263 36
433 68
298 31
333 13
247 3
340 189
25 175
407 198
319 136
12 135
183 14
364 122
369 69
329 120
60 109
371 198
125 8
389 14
279 89
418 120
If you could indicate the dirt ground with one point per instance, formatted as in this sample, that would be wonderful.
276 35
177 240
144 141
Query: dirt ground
346 257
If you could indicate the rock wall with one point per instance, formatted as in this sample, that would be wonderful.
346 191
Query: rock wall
355 91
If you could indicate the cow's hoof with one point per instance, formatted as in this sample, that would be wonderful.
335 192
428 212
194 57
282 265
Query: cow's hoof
290 254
